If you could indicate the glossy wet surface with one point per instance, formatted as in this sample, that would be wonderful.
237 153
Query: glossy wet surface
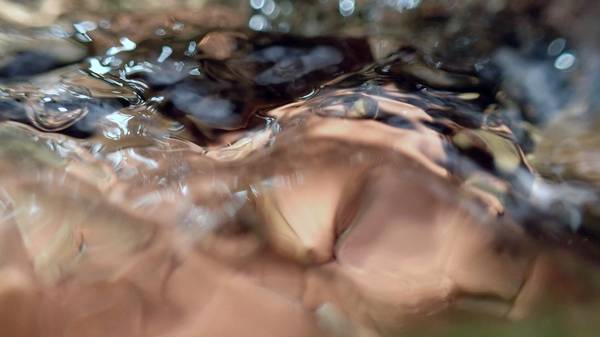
178 174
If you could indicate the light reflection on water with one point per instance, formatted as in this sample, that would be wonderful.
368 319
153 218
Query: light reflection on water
121 128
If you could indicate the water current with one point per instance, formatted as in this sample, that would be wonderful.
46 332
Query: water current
206 173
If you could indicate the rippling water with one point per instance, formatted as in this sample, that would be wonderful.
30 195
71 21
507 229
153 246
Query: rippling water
191 173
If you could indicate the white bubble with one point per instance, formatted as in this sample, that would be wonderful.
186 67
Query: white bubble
347 7
564 61
257 4
258 22
269 7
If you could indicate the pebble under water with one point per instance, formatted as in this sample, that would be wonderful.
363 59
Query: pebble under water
180 174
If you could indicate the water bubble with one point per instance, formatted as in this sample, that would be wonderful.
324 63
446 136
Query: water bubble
269 7
347 7
564 61
556 46
257 4
258 22
55 113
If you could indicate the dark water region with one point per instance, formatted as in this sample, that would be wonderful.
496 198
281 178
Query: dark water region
351 168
